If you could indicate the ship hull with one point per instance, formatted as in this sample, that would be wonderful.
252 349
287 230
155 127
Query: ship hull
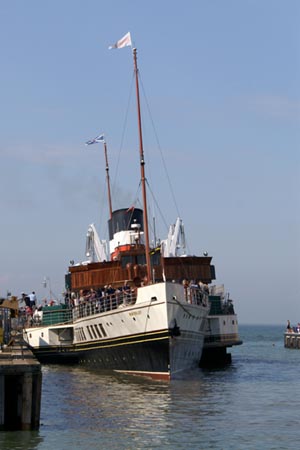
157 338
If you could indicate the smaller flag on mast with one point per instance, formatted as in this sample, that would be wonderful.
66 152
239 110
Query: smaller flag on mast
96 140
125 41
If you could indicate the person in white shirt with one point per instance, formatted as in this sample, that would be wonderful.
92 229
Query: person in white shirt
32 297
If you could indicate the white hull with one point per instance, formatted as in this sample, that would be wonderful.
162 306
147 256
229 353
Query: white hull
160 335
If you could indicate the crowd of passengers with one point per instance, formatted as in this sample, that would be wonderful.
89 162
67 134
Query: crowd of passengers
291 329
99 300
119 295
110 298
106 298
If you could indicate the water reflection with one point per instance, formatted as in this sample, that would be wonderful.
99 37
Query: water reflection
17 440
251 404
130 408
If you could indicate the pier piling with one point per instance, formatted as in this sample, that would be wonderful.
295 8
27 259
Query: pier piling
292 340
20 387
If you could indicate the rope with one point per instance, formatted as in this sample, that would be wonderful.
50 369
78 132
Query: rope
185 310
160 150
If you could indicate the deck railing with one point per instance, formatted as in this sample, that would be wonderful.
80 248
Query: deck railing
219 306
62 314
103 304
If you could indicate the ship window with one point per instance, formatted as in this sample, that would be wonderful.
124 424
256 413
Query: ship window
233 322
98 331
79 333
42 334
224 323
102 329
94 332
126 260
88 328
141 259
155 259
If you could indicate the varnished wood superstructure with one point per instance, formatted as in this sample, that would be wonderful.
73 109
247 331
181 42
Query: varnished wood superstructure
96 275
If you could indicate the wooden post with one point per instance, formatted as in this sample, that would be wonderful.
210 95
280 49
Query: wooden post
2 401
36 400
26 406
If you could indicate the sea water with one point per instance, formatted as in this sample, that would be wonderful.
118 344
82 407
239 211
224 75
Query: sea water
251 404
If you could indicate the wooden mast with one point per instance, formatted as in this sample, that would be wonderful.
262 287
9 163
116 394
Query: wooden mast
142 165
108 181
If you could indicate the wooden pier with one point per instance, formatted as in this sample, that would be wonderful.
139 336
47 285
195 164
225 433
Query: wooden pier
292 340
20 387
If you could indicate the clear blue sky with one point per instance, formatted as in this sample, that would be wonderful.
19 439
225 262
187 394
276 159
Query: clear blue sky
221 81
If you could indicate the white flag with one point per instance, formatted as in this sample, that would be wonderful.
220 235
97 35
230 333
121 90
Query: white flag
125 41
97 139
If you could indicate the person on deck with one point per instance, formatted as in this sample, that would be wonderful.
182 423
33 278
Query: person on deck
25 299
33 300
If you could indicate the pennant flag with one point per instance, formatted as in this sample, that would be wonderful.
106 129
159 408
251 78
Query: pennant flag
97 139
125 41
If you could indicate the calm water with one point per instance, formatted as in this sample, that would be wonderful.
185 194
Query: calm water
252 404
